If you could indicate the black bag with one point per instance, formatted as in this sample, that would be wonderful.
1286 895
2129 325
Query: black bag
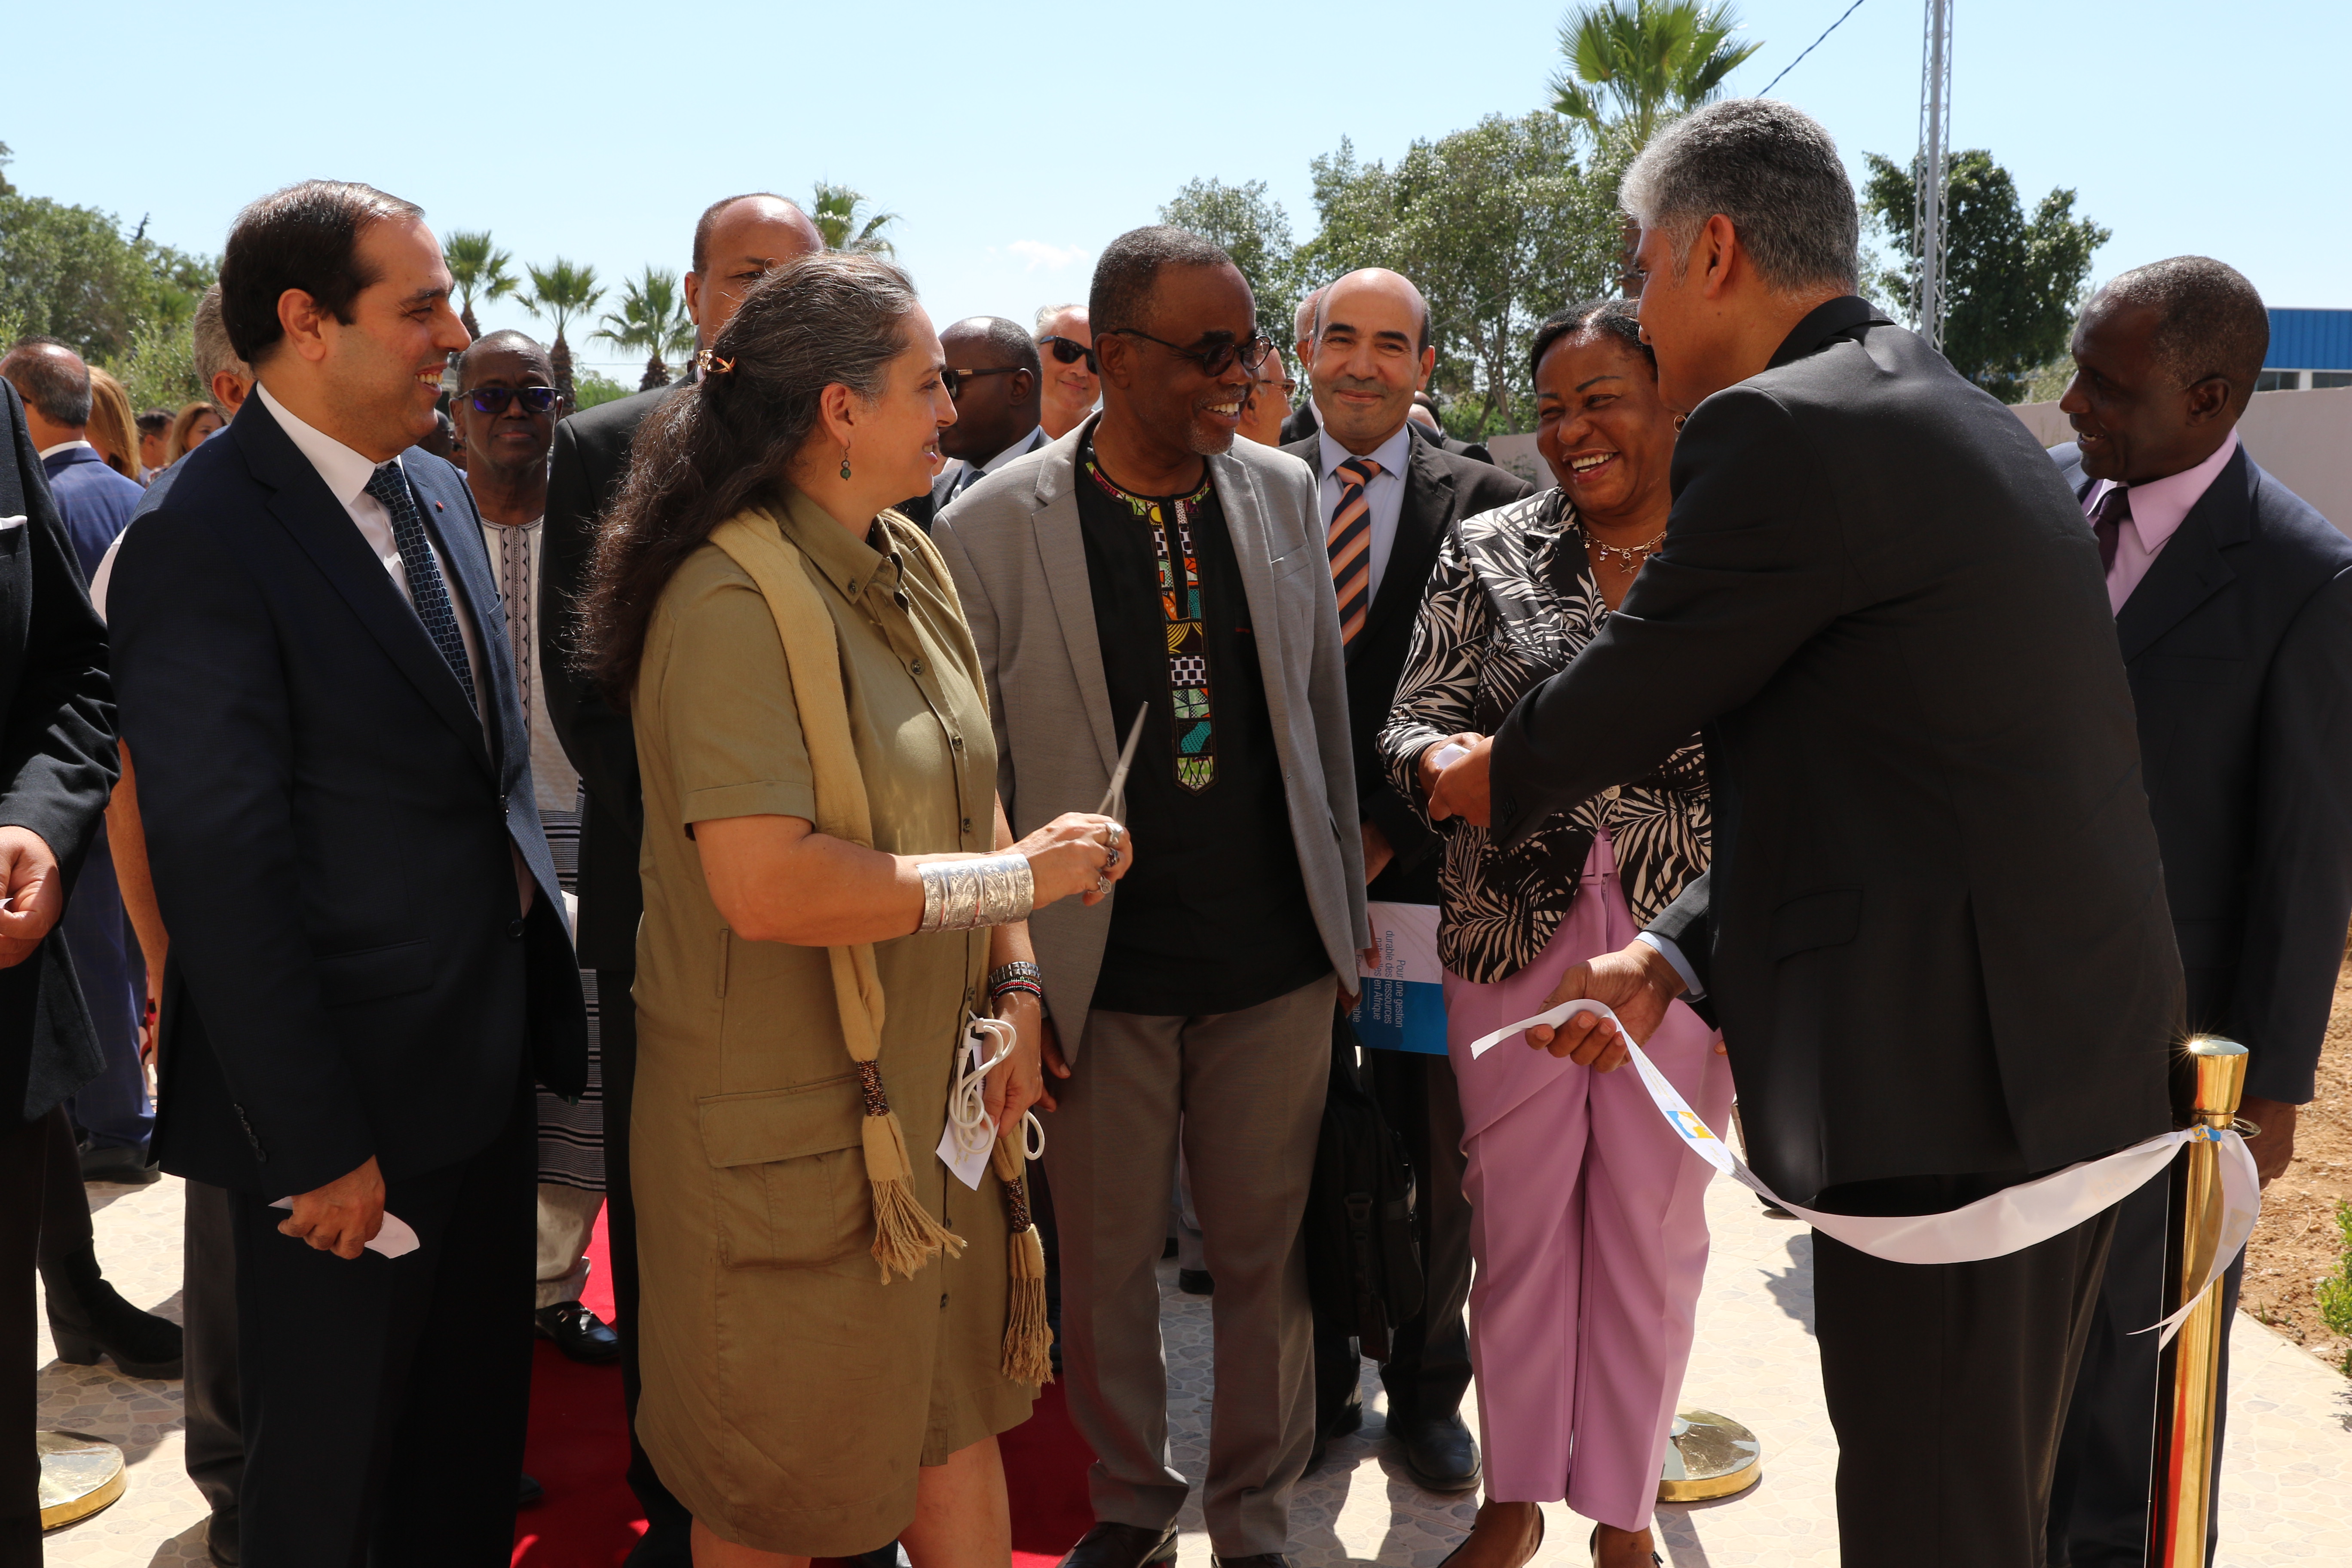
1363 1260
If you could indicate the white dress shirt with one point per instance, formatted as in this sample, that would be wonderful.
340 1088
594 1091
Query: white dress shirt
347 474
517 560
1383 498
64 446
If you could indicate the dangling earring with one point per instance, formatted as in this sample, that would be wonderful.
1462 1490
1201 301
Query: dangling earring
844 462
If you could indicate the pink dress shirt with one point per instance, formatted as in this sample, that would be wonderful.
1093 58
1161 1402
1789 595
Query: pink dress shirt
2157 507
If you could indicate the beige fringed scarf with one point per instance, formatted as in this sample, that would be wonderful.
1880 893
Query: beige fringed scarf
904 1235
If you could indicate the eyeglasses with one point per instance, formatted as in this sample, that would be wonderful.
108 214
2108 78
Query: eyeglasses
494 399
1216 360
1069 350
953 379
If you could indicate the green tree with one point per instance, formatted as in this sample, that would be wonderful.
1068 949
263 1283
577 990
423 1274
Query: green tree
1637 62
2012 286
70 272
1499 225
158 369
1250 229
837 213
596 387
559 293
652 321
478 267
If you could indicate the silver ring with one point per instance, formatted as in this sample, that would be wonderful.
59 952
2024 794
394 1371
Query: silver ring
1113 836
1102 884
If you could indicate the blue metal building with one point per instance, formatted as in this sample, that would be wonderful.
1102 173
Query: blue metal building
2308 348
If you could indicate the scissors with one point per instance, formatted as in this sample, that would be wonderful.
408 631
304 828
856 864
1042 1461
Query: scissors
1114 800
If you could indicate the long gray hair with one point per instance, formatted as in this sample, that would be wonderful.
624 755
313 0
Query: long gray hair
706 453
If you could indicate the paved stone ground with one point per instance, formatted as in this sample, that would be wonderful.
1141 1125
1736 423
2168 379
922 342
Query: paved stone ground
2286 1495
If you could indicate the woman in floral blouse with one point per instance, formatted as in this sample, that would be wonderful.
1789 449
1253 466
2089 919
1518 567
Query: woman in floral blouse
1587 1222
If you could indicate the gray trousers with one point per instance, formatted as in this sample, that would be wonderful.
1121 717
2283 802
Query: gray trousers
1244 1091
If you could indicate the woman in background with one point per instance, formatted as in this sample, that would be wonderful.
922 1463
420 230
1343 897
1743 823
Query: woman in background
1586 1220
113 429
190 426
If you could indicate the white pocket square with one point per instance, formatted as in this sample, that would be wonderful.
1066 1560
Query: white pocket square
8 522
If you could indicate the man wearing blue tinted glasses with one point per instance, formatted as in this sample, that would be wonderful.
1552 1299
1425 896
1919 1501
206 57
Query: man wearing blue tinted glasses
505 412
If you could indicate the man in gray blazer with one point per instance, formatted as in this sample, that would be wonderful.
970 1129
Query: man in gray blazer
1145 563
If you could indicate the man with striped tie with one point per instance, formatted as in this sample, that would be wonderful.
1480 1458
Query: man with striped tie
1387 492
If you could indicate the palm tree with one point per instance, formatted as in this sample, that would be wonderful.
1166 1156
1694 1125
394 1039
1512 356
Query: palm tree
652 320
561 292
1635 62
836 215
478 266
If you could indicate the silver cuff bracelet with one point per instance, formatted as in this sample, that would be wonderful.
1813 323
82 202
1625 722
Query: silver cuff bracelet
992 891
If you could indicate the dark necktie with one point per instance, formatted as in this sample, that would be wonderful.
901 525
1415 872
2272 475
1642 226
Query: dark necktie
1350 544
426 592
2107 519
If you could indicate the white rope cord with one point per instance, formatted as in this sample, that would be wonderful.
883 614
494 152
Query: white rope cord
967 1121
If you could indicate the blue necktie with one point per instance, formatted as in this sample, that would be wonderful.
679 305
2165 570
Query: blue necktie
426 592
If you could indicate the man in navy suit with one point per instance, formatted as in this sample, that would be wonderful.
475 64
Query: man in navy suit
95 503
57 766
2233 604
369 961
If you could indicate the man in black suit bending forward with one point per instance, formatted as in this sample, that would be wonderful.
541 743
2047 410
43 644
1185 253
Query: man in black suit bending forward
2233 604
370 963
1934 929
1388 491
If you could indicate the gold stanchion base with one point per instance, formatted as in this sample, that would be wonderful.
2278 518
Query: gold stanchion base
1709 1455
79 1475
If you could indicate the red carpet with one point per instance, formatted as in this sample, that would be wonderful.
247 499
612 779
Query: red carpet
579 1450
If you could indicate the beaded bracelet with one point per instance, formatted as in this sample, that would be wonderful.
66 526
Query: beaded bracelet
1019 969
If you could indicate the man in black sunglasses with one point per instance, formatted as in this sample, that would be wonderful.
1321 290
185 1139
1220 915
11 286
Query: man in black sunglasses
505 411
1073 379
992 375
1149 564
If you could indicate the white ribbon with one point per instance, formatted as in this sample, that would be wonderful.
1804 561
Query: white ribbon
2009 1221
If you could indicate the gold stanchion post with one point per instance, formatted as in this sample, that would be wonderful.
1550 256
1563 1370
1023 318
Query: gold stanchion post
2212 1077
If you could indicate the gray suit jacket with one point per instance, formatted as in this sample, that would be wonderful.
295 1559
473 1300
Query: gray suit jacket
1013 542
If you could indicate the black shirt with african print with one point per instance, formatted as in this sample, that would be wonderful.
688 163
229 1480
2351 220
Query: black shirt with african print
1213 917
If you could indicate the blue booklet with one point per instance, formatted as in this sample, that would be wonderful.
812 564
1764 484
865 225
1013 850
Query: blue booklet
1402 1007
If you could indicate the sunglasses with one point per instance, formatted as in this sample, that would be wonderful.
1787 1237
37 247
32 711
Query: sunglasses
1069 350
1217 359
954 380
494 399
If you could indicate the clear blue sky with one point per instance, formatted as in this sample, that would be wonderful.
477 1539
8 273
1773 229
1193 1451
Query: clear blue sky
1016 138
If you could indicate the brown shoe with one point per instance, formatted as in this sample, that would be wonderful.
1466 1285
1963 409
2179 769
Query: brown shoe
1111 1546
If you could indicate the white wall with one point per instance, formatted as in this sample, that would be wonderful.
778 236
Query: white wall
2303 438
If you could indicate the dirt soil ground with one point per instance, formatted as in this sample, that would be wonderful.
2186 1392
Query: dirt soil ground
2297 1243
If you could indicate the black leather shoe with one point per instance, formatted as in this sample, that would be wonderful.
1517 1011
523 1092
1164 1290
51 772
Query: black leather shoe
88 1317
530 1494
118 1163
578 1333
1346 1422
887 1555
1438 1453
1255 1560
1122 1546
1196 1282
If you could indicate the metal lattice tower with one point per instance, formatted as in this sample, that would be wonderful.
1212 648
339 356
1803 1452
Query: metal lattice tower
1934 199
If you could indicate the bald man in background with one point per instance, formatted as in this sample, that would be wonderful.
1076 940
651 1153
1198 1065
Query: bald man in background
1388 493
994 375
738 241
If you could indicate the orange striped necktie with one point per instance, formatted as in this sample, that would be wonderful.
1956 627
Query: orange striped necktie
1350 544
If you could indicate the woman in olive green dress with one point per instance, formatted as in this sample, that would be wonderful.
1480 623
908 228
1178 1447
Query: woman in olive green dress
835 1326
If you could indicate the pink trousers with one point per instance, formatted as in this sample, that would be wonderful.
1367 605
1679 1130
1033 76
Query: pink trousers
1589 1231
